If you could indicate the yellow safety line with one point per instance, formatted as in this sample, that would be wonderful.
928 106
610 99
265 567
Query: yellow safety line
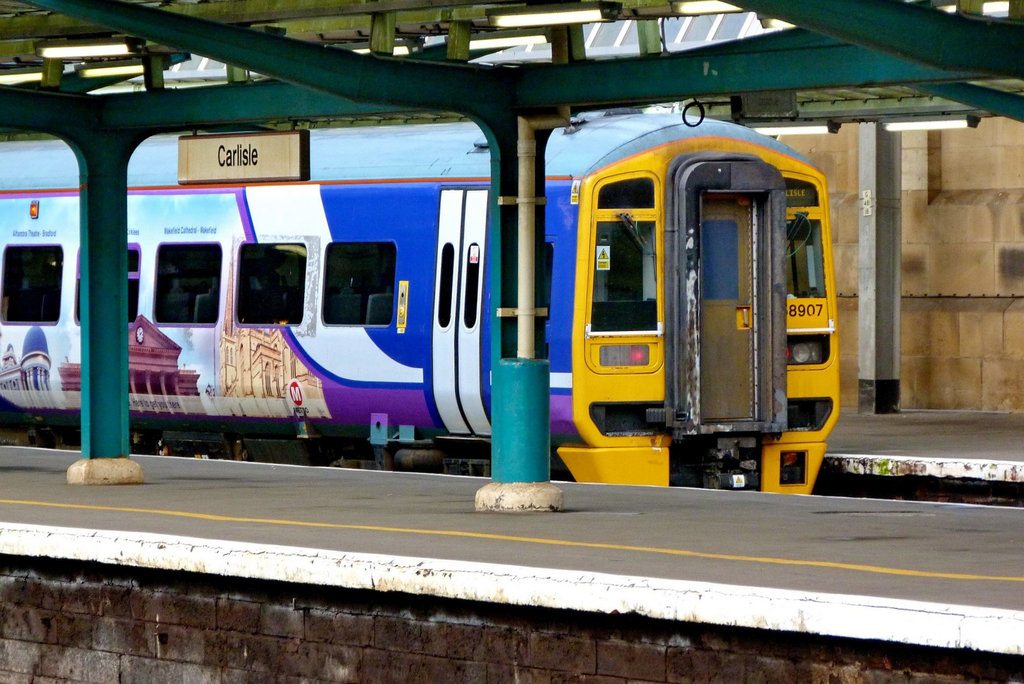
856 567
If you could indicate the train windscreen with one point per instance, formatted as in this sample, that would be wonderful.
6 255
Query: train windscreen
805 267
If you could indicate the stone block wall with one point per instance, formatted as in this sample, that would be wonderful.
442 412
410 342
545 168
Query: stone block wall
962 273
79 622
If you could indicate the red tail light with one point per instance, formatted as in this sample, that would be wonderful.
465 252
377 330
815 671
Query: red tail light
625 355
793 467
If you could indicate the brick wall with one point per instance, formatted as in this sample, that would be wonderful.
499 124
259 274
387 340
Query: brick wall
65 622
962 322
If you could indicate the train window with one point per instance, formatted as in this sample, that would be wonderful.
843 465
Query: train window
272 283
187 283
359 283
444 297
800 194
634 193
625 276
472 285
133 287
32 284
547 256
805 269
134 258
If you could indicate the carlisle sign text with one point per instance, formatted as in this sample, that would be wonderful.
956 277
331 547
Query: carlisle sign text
243 158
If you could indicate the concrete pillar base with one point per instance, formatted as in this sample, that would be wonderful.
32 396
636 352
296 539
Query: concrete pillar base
519 497
104 471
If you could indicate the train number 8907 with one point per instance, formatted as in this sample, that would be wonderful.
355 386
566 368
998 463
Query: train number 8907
805 309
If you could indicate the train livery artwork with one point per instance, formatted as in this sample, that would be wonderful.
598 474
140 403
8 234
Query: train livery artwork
687 287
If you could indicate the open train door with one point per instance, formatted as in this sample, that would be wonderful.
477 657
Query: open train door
725 296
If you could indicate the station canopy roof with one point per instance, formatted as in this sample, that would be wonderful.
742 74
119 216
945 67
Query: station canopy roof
459 29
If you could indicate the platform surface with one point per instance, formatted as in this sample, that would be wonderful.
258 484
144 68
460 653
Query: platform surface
958 447
967 435
798 555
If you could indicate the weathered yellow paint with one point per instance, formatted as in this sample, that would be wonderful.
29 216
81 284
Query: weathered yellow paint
618 465
771 458
632 459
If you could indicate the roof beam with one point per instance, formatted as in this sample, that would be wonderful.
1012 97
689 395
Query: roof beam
726 69
908 31
335 72
310 14
382 33
55 113
227 105
876 108
989 99
243 12
34 26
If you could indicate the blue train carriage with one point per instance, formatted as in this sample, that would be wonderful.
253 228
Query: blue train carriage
355 305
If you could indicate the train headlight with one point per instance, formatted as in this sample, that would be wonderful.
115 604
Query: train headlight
806 350
625 355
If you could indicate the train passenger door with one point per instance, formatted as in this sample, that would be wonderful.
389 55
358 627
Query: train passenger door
726 297
457 353
728 373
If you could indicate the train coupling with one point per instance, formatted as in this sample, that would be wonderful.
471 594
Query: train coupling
733 464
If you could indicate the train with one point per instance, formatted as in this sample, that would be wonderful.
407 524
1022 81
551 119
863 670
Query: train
687 300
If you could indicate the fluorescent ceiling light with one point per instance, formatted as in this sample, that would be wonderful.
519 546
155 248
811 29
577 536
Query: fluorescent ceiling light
549 15
703 7
928 125
995 8
125 70
770 23
822 129
8 78
397 51
506 42
988 8
83 49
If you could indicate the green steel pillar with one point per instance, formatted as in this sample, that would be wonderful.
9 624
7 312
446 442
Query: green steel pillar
521 421
103 160
520 394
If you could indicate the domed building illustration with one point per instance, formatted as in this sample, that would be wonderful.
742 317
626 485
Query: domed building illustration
32 372
10 371
35 361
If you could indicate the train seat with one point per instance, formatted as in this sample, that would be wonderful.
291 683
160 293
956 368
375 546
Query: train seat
176 306
379 308
206 308
343 309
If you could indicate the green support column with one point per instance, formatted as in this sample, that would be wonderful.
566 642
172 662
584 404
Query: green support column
520 394
521 421
103 159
